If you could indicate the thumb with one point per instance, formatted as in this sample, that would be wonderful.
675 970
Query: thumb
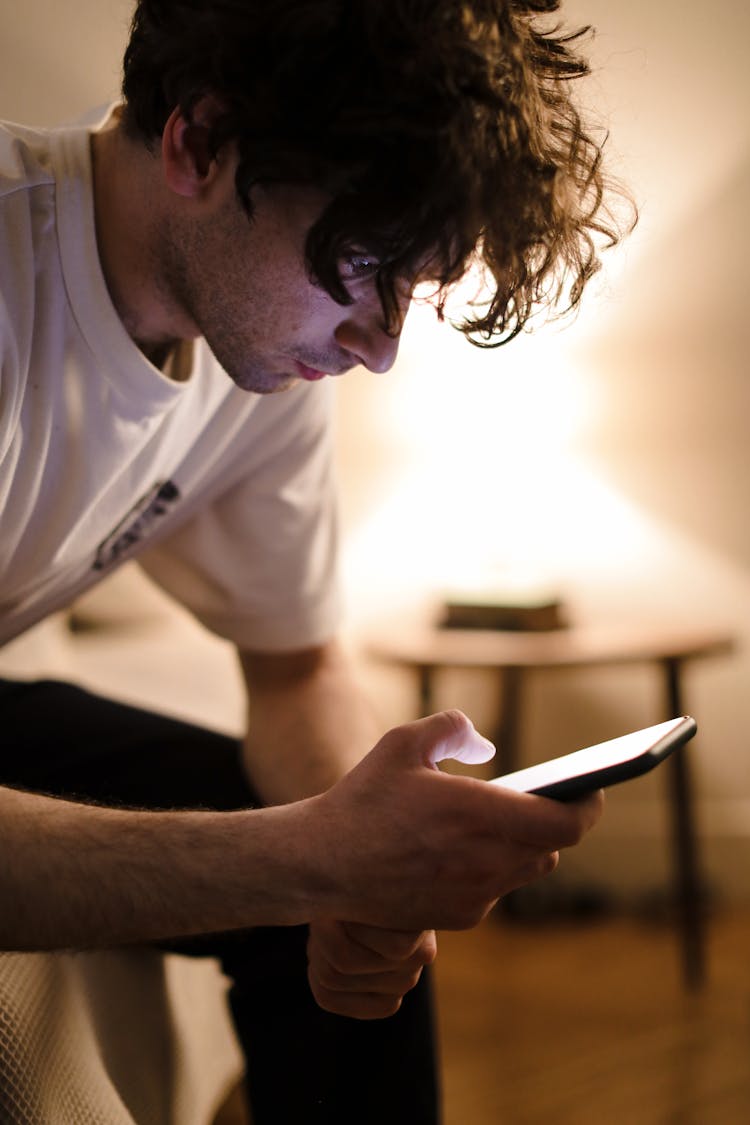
450 734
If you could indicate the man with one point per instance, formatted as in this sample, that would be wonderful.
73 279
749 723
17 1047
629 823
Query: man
253 217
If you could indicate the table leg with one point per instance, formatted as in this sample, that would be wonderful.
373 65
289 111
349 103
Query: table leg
506 739
424 672
684 843
506 736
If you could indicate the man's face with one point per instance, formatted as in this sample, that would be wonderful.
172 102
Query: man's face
243 284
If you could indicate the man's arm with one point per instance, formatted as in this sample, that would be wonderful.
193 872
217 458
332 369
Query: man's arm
77 876
309 722
395 845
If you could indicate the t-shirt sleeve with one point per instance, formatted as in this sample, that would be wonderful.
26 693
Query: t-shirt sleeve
259 563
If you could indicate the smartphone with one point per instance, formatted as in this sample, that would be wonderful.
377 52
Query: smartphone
607 763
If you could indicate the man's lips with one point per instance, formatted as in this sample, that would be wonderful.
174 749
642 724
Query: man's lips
309 373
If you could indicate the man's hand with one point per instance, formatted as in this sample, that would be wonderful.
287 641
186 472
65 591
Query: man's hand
405 846
363 971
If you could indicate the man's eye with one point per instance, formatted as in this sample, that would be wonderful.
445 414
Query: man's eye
354 267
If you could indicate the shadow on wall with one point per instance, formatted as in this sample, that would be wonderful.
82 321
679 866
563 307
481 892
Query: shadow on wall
672 352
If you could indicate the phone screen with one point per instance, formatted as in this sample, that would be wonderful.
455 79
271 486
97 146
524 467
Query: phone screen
604 764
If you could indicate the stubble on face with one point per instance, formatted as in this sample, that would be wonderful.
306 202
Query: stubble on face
243 283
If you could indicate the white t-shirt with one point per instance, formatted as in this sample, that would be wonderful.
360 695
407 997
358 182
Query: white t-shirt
228 494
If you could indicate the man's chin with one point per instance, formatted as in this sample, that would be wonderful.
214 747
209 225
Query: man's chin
264 384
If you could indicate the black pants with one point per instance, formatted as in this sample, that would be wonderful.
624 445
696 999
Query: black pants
304 1065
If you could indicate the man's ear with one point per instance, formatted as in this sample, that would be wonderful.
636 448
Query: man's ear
191 169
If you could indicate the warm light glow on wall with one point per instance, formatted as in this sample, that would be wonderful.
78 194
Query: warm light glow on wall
493 484
491 487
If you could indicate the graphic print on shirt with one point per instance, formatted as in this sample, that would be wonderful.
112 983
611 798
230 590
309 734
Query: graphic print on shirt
137 524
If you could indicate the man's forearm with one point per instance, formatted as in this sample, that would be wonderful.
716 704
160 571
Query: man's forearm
81 876
397 844
310 722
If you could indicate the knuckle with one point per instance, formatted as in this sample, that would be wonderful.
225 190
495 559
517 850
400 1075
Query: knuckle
425 956
320 995
327 977
430 954
543 865
460 723
413 980
409 949
550 862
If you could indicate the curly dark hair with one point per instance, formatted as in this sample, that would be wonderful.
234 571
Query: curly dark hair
443 130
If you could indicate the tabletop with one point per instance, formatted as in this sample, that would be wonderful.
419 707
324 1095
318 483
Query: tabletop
420 644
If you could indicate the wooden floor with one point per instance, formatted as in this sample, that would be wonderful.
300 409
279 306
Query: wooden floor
588 1023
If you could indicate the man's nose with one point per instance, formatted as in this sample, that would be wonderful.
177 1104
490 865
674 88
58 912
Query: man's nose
367 339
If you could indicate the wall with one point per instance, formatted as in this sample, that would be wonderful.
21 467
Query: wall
610 458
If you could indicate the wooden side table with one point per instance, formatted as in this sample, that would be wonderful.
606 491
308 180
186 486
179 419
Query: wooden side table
423 649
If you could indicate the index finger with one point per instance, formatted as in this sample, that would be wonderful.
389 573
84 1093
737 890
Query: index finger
542 822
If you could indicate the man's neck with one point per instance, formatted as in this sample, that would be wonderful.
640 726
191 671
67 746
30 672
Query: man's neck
127 206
